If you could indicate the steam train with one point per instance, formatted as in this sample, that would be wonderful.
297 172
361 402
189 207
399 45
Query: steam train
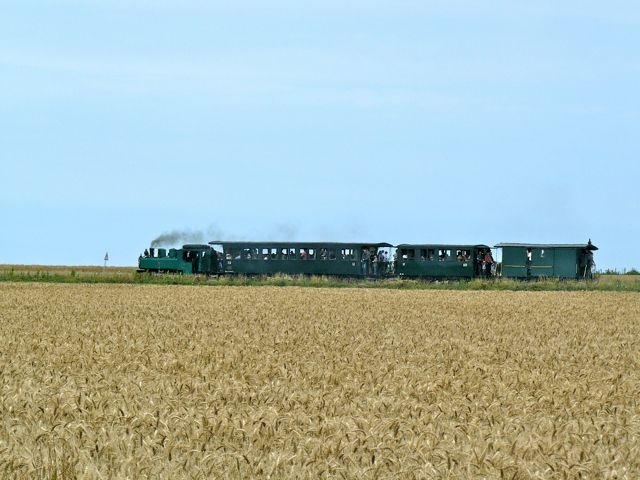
374 260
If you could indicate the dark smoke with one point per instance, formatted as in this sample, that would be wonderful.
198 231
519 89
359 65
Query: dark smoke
176 238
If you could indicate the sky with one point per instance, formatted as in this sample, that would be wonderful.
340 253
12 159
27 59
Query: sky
373 121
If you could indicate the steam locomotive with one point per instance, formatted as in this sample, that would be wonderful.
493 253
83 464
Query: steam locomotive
374 260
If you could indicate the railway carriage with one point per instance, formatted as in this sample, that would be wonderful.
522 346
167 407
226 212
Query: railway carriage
537 260
440 261
304 258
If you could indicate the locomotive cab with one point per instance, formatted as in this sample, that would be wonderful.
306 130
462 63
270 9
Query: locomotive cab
203 259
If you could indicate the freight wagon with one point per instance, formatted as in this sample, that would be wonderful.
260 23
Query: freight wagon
536 260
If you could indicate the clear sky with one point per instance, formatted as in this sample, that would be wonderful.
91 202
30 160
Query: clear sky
397 121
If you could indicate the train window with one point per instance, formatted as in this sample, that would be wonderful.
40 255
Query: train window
284 253
347 254
542 253
463 255
444 255
407 254
312 253
332 254
427 254
269 253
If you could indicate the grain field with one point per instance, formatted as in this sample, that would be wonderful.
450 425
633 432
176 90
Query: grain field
143 381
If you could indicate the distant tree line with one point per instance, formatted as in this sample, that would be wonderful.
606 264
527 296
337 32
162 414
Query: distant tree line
610 271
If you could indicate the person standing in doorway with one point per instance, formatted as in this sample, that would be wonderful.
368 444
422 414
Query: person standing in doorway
488 263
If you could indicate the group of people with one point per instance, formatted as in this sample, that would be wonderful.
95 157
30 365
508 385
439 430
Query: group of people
485 263
374 263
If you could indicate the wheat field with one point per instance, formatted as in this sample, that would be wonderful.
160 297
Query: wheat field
144 381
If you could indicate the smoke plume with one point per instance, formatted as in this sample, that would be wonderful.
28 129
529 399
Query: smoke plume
176 238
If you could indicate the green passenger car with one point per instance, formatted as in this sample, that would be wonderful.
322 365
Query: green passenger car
305 258
530 260
439 261
190 259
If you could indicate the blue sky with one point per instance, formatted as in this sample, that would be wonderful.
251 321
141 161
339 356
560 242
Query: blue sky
405 121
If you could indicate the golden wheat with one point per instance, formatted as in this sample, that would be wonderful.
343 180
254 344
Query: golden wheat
130 381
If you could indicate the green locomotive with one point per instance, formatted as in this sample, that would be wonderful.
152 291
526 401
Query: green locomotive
190 259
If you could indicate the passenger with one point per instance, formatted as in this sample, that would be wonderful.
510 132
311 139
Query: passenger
304 255
382 264
146 252
591 264
480 263
365 261
488 263
587 264
459 256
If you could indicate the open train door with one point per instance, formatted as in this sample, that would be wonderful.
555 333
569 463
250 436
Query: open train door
586 263
218 263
